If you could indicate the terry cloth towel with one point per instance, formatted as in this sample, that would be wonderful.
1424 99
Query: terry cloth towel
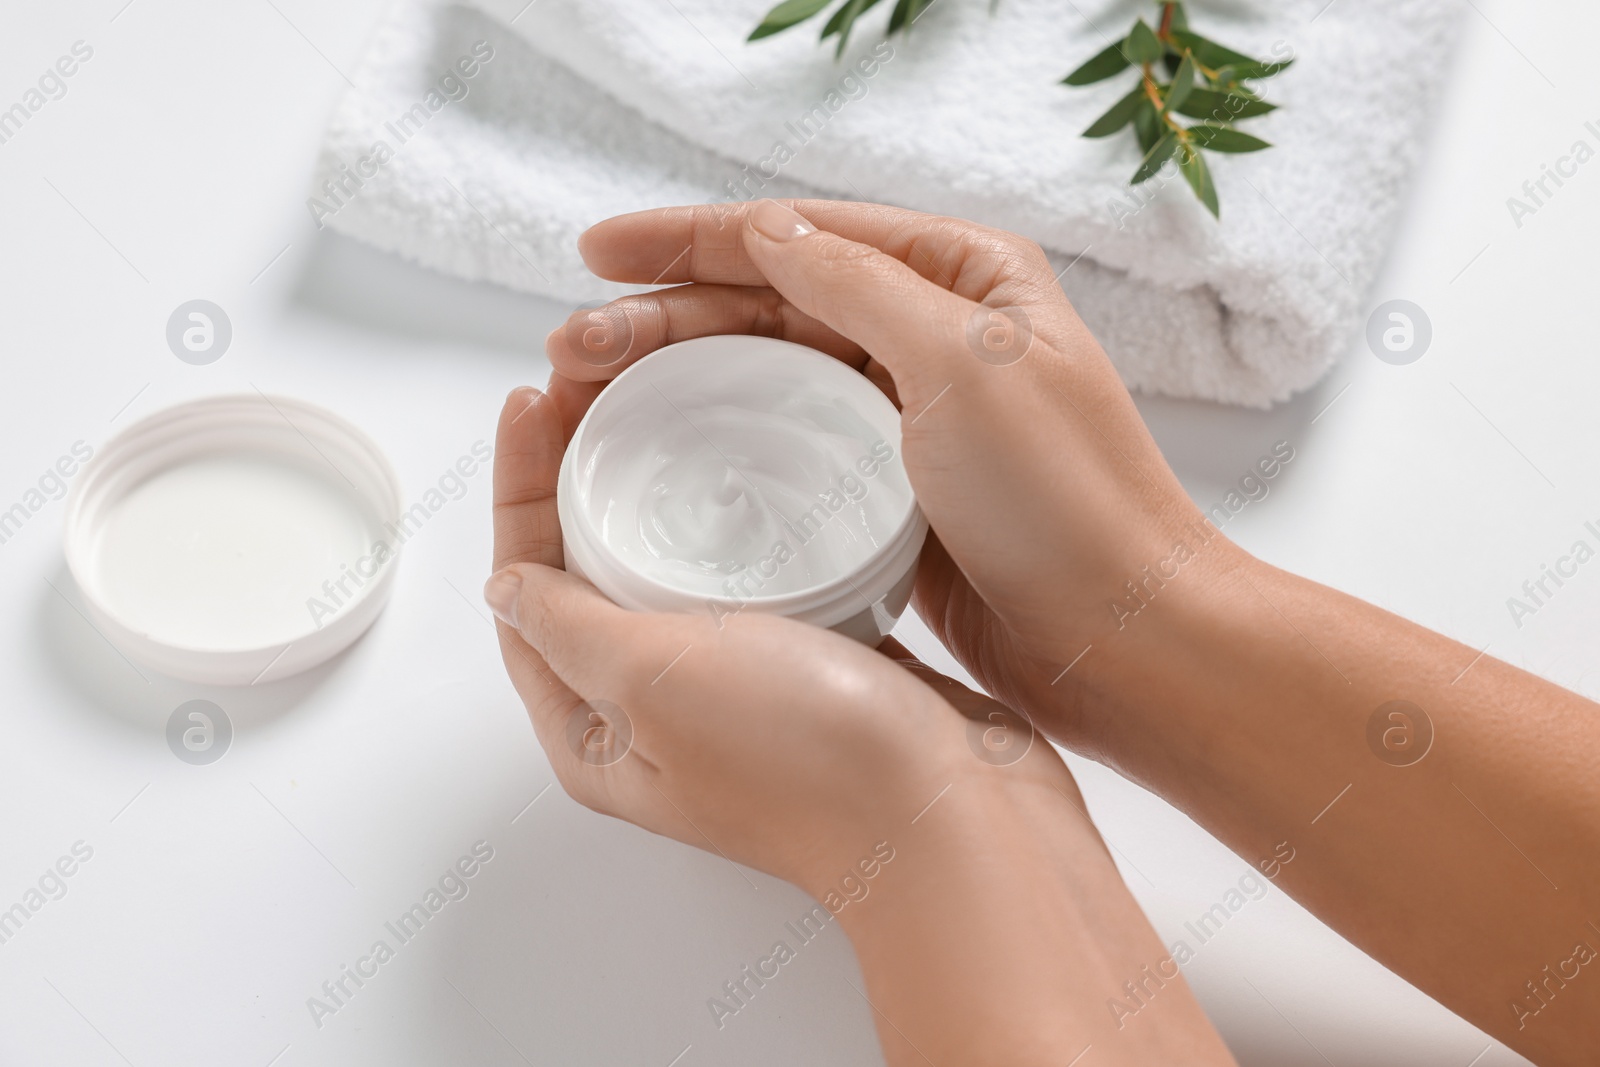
578 110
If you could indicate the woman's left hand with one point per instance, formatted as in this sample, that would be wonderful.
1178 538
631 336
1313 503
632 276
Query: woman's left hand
777 744
1001 924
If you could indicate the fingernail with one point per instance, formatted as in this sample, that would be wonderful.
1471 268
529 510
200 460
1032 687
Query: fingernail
521 399
502 592
774 221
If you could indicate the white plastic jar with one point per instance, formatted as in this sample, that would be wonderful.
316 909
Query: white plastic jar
732 473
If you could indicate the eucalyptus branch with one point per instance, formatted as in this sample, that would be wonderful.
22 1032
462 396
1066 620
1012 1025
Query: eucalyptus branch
793 12
1203 80
1180 73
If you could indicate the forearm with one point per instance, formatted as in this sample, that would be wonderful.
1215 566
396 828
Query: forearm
1469 864
1002 934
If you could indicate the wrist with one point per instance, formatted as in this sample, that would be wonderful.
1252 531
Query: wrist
1024 820
1129 665
1159 657
959 936
1001 929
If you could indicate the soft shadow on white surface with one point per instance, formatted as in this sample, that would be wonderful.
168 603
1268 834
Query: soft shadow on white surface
1209 446
347 280
83 660
659 957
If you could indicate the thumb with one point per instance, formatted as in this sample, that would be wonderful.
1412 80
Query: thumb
913 327
581 635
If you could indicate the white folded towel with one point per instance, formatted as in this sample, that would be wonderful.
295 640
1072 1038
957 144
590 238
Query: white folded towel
584 110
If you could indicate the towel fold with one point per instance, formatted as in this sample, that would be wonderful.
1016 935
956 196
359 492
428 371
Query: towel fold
575 111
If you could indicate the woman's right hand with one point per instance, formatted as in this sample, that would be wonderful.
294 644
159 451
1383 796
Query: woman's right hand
1253 700
1044 490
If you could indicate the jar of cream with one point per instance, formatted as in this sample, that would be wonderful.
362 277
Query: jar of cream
728 474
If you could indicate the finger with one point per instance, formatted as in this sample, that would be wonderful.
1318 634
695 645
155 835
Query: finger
599 343
914 328
702 243
528 447
572 399
593 646
554 705
529 442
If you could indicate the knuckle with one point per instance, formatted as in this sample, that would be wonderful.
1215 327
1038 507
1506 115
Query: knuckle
1034 254
762 310
1000 247
706 220
999 260
646 315
853 279
538 623
849 257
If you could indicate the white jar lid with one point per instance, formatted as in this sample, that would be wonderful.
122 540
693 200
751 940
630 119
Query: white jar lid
234 539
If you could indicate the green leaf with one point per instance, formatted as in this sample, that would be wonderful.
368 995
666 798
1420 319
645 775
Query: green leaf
1182 84
1256 71
1153 159
785 15
1198 176
1146 125
1222 107
847 12
843 20
1225 139
1101 65
1120 115
1142 45
1208 52
905 13
900 15
1203 80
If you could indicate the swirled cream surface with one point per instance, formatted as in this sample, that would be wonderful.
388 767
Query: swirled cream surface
758 483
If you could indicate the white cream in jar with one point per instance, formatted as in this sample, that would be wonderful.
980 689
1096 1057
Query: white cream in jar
735 473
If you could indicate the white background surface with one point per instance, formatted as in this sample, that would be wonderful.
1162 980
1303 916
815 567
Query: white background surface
219 898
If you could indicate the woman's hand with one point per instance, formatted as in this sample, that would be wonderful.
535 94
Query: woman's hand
807 755
1441 806
776 744
1044 490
